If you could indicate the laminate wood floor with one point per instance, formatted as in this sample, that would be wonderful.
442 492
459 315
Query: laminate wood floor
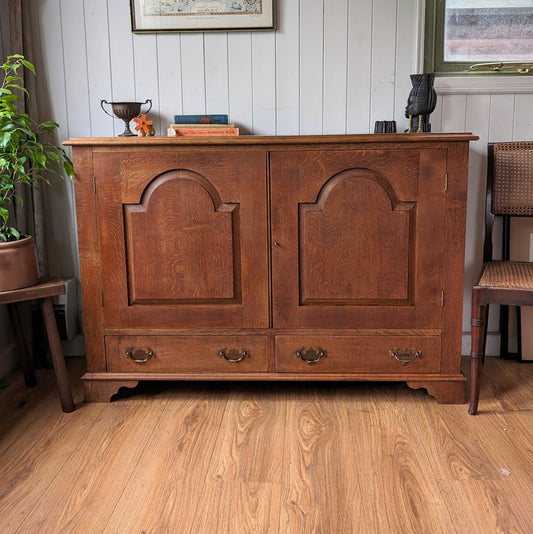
255 458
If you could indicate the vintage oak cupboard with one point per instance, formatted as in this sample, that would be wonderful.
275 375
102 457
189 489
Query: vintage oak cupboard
334 257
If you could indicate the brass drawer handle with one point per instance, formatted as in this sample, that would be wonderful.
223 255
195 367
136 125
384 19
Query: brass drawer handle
139 355
311 356
233 355
405 356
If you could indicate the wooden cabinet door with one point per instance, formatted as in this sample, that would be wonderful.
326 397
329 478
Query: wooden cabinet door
357 238
182 238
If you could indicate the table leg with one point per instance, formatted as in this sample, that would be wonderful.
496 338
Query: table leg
22 348
58 357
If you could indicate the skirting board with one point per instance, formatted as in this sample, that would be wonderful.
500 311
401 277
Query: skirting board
74 347
9 359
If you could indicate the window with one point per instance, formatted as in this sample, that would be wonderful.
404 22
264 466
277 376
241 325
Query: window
479 36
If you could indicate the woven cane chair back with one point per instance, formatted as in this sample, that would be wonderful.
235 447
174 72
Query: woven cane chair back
512 179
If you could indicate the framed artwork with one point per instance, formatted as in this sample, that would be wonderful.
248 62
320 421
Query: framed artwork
201 15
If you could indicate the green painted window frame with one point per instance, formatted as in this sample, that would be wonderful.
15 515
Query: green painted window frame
434 47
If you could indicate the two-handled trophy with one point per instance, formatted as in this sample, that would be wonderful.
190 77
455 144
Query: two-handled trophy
126 111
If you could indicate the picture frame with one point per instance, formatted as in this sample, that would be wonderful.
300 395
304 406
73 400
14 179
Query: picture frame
154 16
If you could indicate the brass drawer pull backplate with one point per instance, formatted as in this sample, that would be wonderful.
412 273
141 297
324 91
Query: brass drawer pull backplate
311 356
139 355
405 356
233 355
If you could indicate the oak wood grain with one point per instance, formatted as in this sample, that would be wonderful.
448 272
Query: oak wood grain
274 237
278 140
389 461
164 489
267 458
315 450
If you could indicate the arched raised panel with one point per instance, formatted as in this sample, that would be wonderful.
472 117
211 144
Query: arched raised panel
182 243
356 243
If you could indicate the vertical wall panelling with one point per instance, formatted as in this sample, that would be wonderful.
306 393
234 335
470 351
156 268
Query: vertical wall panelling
335 63
264 82
77 121
476 120
359 66
240 80
453 113
383 60
54 91
331 66
51 81
98 67
74 44
216 72
406 57
523 118
169 82
311 66
287 72
121 56
146 74
193 72
436 116
501 116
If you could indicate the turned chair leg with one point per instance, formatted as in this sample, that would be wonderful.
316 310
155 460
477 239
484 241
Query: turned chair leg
477 353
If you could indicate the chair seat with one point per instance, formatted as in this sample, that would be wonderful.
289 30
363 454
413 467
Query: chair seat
507 275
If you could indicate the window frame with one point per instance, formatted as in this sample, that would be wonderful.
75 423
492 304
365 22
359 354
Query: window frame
434 48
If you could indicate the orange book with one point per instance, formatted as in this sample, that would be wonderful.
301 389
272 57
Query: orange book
182 132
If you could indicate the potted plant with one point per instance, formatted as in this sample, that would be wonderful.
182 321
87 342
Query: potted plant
26 159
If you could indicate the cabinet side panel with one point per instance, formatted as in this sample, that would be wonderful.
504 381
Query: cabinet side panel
91 281
457 171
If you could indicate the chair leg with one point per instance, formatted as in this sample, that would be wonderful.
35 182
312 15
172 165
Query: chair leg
22 348
58 359
504 332
477 354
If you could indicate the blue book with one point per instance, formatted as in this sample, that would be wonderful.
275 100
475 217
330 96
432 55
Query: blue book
200 119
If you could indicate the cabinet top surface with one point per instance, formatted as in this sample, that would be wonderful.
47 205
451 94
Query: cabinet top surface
273 140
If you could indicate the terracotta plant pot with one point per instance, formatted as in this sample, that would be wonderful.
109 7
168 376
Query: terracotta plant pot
18 264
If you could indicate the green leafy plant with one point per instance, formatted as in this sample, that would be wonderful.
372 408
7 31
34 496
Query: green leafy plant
24 157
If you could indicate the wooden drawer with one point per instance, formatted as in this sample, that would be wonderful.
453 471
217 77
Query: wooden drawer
187 354
358 354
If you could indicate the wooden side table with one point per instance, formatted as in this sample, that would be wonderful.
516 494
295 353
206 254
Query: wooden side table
43 292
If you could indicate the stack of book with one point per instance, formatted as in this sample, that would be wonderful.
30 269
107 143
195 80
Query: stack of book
195 125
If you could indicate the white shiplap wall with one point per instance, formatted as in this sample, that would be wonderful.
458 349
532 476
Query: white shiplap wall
333 66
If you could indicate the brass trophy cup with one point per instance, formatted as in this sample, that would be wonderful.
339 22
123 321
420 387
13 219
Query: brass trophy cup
126 111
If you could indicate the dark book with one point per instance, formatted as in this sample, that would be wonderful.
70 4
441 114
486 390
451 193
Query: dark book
201 119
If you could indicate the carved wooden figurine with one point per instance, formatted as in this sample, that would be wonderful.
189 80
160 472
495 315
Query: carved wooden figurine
421 102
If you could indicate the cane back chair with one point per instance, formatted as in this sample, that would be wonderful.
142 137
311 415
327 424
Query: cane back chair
508 283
